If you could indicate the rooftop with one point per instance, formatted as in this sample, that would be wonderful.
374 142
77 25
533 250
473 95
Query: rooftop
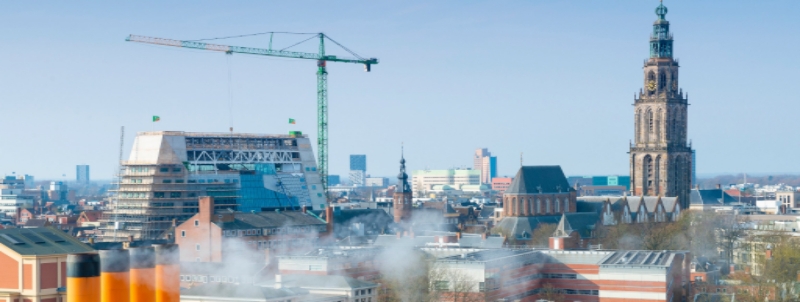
539 179
269 220
41 242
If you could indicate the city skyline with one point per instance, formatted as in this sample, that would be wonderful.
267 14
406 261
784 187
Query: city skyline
589 77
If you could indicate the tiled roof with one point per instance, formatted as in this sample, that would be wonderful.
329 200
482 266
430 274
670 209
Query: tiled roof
536 179
41 241
580 222
710 197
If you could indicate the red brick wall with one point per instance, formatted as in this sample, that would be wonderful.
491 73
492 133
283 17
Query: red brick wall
10 276
49 275
63 274
27 276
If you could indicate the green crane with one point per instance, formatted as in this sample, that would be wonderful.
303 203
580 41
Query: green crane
322 79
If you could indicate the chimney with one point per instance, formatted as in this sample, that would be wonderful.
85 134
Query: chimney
130 238
732 268
769 254
304 209
719 187
167 273
329 219
206 208
458 236
174 222
556 243
83 277
484 235
114 276
143 267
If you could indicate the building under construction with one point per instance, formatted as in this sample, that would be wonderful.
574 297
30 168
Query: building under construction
167 171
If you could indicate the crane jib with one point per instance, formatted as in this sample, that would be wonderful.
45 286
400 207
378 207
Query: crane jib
245 50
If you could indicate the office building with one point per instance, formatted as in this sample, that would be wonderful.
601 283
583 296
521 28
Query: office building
433 180
11 196
334 180
660 156
82 174
358 177
486 163
167 171
358 162
381 182
501 184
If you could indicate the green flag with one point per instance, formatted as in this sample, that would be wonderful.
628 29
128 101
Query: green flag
291 121
156 118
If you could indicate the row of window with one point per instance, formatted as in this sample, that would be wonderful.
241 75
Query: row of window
147 169
274 231
535 206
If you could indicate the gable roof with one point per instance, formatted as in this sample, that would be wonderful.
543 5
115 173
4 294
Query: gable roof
710 197
91 216
530 179
580 222
41 241
563 229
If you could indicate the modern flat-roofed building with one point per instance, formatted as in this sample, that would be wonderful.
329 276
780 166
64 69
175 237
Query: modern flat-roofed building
167 171
486 163
576 275
11 196
425 180
82 174
33 263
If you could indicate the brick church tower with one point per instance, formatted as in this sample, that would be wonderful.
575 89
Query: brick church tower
402 195
660 157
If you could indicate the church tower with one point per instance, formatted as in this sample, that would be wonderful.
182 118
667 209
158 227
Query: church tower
402 195
660 157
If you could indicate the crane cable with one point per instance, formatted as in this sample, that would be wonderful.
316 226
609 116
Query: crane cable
230 92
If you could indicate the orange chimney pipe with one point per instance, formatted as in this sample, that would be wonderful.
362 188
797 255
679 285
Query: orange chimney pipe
329 219
83 277
143 273
114 276
168 273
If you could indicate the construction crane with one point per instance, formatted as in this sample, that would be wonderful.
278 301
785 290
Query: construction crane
322 79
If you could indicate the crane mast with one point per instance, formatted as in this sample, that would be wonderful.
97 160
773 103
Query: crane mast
322 80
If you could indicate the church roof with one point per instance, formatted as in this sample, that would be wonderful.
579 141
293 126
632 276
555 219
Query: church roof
539 179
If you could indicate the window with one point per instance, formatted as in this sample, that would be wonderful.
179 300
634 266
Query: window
176 170
167 181
481 286
183 233
441 285
174 194
164 170
196 222
197 247
179 181
158 194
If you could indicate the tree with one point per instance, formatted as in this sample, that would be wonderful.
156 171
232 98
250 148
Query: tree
551 294
453 285
541 235
729 229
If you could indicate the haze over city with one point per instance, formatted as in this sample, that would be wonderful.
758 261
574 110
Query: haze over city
553 80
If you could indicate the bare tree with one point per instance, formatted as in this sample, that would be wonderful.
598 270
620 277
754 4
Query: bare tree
551 294
729 229
454 285
541 235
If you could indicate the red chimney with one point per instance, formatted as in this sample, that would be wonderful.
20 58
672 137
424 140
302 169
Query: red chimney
304 209
769 254
329 219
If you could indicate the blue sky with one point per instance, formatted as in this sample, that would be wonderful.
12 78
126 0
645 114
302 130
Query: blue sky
552 79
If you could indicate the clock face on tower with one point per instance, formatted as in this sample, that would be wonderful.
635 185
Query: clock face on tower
651 85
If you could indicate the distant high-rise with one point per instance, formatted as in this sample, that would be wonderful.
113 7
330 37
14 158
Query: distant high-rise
358 177
334 180
82 174
358 162
486 163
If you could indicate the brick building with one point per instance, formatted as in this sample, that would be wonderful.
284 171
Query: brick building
33 264
501 184
529 275
216 237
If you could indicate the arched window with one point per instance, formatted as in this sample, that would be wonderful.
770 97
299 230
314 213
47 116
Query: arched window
662 80
657 188
638 123
650 121
538 206
659 118
547 205
566 205
557 205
